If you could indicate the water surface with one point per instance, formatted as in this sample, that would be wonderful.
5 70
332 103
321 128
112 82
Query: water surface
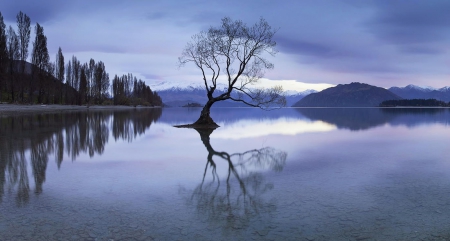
289 174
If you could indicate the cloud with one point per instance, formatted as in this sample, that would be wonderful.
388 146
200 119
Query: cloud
427 50
156 16
304 47
380 42
38 11
411 22
152 76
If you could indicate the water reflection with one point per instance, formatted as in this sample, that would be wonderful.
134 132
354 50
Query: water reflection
237 201
357 119
389 183
281 126
40 137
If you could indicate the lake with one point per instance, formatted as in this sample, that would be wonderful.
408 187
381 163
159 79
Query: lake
287 174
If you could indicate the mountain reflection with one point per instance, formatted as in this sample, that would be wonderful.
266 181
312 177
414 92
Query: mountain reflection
37 138
356 119
238 200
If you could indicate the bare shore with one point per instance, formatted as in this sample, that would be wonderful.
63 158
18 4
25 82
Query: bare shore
13 109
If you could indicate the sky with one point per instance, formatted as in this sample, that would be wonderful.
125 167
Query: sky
321 43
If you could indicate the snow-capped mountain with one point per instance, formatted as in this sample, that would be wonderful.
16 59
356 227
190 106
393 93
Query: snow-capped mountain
179 94
168 85
417 92
293 96
419 88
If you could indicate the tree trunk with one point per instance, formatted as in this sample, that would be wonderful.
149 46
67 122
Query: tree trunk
12 89
22 89
205 118
30 91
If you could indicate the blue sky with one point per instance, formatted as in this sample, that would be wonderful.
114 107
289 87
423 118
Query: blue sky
380 42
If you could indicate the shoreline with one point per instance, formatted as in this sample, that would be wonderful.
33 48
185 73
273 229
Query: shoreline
17 109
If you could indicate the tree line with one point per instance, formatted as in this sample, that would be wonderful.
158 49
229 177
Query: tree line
414 102
128 90
43 81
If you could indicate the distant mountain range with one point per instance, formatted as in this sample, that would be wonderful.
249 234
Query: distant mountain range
343 95
416 92
348 95
185 93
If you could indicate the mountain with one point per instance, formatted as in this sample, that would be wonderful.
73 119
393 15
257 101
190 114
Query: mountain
292 97
348 95
181 96
184 93
177 96
416 92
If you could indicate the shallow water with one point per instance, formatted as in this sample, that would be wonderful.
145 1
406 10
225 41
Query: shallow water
289 174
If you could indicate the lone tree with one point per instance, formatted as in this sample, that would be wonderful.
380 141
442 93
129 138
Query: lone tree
234 52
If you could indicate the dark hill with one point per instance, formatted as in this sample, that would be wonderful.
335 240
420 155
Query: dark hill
348 95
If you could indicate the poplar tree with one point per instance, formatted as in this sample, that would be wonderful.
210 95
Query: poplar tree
24 29
40 58
68 81
3 54
100 82
60 71
76 66
83 85
90 79
13 54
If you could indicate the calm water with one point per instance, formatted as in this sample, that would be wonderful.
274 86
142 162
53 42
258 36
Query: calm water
290 174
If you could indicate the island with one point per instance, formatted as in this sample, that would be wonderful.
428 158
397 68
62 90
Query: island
414 103
194 104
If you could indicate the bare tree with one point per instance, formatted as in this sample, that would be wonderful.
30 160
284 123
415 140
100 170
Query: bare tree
236 52
24 30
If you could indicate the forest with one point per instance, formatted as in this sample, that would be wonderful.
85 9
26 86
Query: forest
73 83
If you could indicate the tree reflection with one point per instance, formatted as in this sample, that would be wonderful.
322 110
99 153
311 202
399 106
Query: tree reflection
34 139
238 200
127 127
